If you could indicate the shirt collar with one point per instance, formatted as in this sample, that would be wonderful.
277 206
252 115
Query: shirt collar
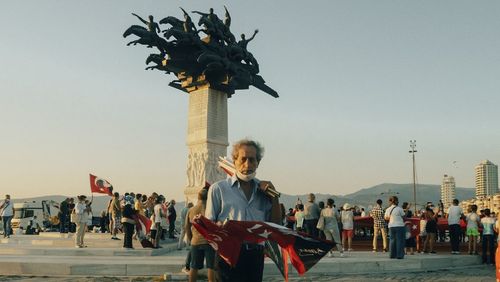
234 181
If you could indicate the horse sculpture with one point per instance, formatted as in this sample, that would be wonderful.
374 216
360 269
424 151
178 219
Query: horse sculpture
158 60
217 59
147 38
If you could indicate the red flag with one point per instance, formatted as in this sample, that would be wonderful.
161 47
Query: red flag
99 185
497 263
304 251
142 223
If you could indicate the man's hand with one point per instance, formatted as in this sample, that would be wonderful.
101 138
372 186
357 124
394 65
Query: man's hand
268 188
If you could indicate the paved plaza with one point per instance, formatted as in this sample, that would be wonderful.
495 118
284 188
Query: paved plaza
52 257
469 274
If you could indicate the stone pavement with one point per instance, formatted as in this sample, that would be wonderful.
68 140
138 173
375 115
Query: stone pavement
28 258
469 274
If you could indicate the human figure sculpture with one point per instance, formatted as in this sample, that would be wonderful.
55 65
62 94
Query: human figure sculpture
190 171
147 36
227 25
214 26
211 15
218 59
243 43
248 57
153 27
188 24
227 18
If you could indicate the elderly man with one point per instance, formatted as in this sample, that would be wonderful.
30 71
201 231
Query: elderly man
241 198
311 216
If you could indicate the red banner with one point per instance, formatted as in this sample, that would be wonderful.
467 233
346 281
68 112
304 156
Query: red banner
303 250
99 185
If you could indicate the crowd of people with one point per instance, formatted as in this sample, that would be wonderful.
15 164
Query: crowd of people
120 216
242 197
394 225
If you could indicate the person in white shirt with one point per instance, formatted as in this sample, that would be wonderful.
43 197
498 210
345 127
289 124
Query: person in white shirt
347 218
363 212
7 213
81 212
395 215
158 218
454 215
487 240
472 230
299 218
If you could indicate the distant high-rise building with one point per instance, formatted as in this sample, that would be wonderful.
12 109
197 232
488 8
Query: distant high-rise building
486 179
447 191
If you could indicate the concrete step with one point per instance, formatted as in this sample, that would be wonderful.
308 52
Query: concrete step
56 240
354 263
89 251
89 235
367 262
94 266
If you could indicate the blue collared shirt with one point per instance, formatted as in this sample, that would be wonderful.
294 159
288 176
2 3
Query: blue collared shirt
226 200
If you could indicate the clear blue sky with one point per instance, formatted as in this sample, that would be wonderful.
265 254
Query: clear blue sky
357 80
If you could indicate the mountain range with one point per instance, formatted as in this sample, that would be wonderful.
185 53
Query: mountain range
368 196
365 197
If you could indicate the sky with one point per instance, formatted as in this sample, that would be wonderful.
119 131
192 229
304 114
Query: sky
357 81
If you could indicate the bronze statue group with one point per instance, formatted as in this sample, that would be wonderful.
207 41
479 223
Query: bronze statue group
217 59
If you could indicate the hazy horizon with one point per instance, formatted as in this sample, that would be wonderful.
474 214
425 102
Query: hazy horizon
303 193
357 80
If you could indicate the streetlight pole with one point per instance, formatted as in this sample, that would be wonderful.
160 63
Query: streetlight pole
413 145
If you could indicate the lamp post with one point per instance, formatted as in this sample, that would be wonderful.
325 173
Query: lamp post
413 145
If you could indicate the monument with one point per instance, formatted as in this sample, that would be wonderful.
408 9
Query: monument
210 65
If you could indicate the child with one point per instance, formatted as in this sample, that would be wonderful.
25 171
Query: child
299 217
472 229
488 235
431 230
421 236
410 242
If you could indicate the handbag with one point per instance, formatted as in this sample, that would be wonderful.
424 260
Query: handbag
72 217
321 223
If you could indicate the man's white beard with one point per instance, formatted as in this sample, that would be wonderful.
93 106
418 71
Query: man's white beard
245 177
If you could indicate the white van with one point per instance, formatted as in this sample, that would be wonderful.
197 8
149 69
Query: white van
34 212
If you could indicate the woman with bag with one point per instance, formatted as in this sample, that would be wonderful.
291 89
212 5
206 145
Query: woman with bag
328 222
395 216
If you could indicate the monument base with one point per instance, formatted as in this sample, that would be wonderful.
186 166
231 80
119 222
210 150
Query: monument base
206 139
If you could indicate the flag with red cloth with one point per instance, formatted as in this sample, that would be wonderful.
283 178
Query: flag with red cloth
413 225
303 250
142 223
99 185
497 263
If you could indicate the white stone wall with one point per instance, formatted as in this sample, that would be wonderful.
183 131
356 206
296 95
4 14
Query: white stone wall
207 139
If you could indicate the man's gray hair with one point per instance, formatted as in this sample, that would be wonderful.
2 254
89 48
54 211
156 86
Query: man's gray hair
247 142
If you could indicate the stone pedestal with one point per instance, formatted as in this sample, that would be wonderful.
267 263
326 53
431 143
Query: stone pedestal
207 139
